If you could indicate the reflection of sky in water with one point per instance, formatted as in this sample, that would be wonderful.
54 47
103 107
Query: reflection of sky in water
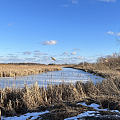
67 75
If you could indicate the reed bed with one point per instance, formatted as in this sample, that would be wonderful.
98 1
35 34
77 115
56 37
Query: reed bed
98 69
15 101
9 70
108 66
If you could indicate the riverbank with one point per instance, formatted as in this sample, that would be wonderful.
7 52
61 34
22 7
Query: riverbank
64 101
61 100
98 69
66 75
8 70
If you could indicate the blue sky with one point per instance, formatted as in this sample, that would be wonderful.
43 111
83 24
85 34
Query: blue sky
69 30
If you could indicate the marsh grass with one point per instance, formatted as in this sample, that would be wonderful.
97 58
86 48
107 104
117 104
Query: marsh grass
8 70
16 101
108 66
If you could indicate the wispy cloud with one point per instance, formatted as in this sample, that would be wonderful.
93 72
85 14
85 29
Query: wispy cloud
75 1
70 3
107 1
113 33
76 49
31 59
110 33
73 53
37 53
80 57
27 53
50 42
65 5
10 24
65 54
118 34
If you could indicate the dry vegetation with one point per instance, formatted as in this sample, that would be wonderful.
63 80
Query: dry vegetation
108 66
34 98
9 70
65 96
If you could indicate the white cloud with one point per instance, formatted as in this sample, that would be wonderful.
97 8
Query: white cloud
31 59
110 33
108 1
65 5
51 42
80 57
118 34
113 33
74 1
27 53
76 49
70 3
38 53
73 53
65 53
10 24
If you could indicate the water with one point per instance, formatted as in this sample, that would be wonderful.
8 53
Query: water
66 75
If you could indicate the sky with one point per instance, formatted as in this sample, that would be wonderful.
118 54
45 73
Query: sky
72 31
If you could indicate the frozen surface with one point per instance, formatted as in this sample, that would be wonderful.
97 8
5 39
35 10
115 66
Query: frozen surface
32 116
67 75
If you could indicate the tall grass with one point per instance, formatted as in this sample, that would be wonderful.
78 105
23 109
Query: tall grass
105 67
9 70
18 101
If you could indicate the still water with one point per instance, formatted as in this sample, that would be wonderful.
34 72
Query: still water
66 75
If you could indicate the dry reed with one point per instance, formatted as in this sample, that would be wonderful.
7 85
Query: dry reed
9 70
18 101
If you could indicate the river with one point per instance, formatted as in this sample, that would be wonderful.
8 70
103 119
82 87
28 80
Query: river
66 75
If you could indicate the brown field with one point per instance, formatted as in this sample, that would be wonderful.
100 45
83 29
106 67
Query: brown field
8 70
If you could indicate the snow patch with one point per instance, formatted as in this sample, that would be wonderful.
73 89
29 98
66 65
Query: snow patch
96 107
33 116
93 105
85 114
82 103
91 113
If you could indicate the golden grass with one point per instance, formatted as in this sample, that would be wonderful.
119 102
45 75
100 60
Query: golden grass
18 101
99 69
105 67
23 70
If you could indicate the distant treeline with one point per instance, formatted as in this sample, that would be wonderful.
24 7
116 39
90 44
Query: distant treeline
25 64
21 64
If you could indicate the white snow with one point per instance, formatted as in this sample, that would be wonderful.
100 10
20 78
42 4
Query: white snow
90 113
96 107
115 111
33 116
93 105
82 103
